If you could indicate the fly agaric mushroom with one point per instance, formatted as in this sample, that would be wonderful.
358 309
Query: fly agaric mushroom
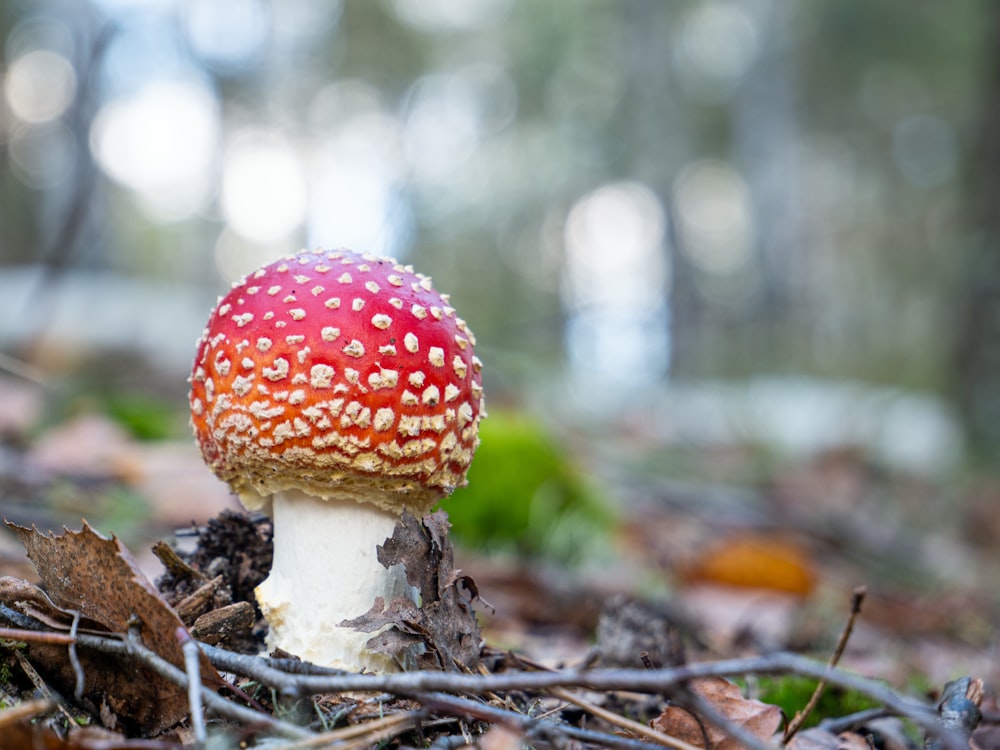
335 390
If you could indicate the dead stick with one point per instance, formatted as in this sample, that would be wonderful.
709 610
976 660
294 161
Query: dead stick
636 728
857 597
40 685
621 722
37 636
371 733
214 702
418 684
74 659
529 725
648 680
192 668
24 711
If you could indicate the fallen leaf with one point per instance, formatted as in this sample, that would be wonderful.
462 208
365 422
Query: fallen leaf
759 719
445 622
99 578
754 561
36 737
499 737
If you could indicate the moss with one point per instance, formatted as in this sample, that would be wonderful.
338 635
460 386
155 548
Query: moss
791 693
526 496
145 418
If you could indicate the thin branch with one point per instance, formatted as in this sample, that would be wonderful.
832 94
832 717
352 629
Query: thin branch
74 659
24 711
838 724
857 597
40 685
192 669
425 686
168 671
649 680
635 727
21 369
369 734
529 725
37 636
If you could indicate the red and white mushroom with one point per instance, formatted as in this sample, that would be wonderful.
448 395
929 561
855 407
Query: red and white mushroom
335 390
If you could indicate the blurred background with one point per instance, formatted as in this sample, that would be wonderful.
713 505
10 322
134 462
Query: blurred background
621 197
698 241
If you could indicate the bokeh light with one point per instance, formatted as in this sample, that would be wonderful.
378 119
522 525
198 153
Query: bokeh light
442 127
356 197
161 142
615 286
226 34
39 86
715 46
263 186
714 216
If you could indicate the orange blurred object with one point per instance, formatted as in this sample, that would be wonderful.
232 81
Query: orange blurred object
753 561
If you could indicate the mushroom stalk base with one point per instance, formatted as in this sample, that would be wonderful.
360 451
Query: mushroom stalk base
325 571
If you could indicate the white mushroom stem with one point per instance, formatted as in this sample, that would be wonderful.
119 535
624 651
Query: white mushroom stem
325 570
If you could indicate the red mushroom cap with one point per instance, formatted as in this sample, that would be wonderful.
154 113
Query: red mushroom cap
341 375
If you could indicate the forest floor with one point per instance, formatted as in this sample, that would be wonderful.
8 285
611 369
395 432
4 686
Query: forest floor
717 605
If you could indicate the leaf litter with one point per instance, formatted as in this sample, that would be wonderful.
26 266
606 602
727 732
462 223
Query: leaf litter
93 595
86 574
444 624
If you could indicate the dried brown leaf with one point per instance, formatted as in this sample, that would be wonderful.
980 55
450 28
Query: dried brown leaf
754 561
445 623
99 578
499 737
39 737
759 719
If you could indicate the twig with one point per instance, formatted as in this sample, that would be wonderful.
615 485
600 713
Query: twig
22 369
74 659
17 618
648 680
424 685
168 671
24 711
40 685
636 728
857 597
370 733
529 725
192 669
838 724
628 725
37 636
706 710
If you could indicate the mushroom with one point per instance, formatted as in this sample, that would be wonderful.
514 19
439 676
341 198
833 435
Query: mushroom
334 391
